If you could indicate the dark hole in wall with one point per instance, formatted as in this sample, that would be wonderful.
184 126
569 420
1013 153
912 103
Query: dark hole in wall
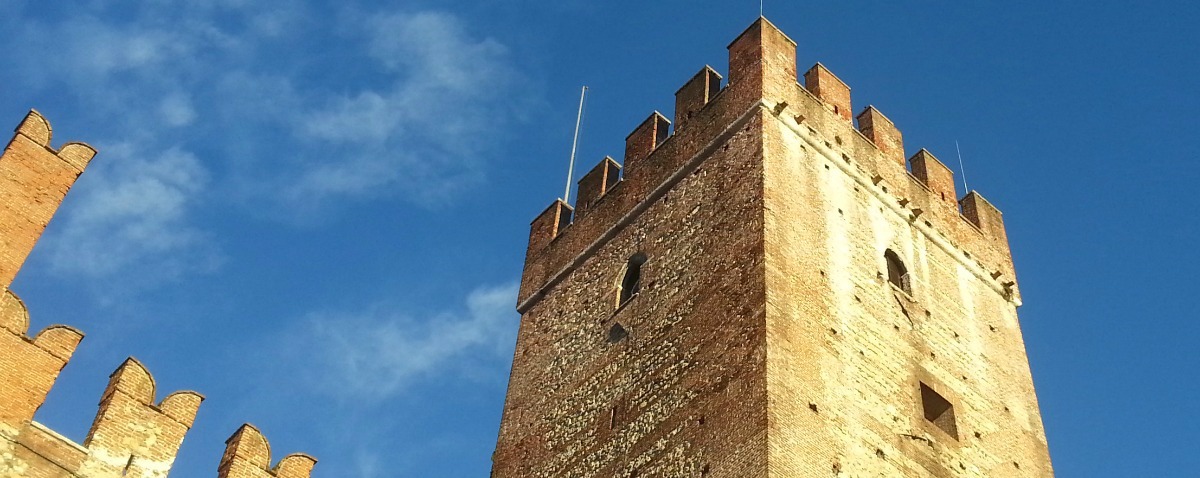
617 333
631 282
938 410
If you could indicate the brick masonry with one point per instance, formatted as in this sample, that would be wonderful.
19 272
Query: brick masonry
766 338
133 435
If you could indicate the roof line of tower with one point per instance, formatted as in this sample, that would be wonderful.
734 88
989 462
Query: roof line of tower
690 165
934 236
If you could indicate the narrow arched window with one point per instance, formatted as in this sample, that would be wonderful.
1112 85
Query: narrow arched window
897 273
631 279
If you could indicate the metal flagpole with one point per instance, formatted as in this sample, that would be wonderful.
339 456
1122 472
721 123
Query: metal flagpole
962 169
574 144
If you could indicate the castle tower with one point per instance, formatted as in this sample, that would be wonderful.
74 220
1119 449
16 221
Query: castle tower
770 291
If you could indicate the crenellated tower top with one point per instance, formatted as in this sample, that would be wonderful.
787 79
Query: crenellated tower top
763 74
775 288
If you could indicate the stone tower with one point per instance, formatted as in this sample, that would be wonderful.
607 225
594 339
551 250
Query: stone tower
770 291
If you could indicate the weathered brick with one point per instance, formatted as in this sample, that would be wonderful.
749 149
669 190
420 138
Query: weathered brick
248 455
132 435
765 338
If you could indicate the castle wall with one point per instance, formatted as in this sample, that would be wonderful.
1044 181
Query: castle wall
133 435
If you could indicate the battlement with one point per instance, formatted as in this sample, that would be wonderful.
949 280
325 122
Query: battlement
133 435
34 179
248 455
29 365
764 84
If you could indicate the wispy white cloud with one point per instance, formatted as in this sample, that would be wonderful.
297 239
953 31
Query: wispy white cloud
177 110
134 215
448 96
216 87
131 82
374 354
368 464
90 49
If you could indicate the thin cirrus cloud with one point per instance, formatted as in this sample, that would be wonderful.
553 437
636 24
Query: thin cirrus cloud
374 354
422 133
135 213
181 85
177 109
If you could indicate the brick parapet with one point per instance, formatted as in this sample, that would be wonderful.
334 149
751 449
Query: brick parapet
248 455
696 94
134 432
596 183
132 435
34 179
727 109
833 92
28 365
936 176
763 72
982 248
32 449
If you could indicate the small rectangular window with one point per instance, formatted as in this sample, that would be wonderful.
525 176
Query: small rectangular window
938 410
631 279
897 274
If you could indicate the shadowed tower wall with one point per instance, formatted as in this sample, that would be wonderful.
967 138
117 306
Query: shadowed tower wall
808 302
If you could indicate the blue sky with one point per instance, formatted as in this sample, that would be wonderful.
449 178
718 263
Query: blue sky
316 213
